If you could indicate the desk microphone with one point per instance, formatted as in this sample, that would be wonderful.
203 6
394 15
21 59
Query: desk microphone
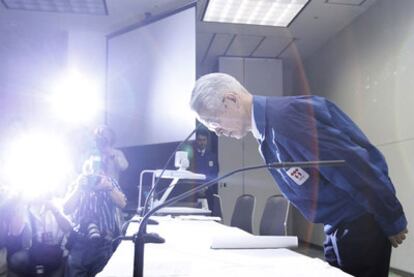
146 203
142 237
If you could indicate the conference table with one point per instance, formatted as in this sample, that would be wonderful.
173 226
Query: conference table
187 252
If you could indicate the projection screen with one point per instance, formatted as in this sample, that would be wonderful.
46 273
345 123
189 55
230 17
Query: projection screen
150 74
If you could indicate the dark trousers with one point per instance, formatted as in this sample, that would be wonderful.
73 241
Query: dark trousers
359 248
23 263
86 258
209 196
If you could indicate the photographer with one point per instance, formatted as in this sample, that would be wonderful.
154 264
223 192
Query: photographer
35 236
94 205
113 159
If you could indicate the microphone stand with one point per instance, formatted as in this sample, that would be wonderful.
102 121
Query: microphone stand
152 190
142 237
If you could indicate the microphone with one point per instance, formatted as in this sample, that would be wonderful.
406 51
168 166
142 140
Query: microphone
142 237
159 175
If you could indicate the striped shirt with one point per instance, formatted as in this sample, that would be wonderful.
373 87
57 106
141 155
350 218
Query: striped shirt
98 208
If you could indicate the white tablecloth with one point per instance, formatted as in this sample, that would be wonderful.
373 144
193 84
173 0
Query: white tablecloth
187 252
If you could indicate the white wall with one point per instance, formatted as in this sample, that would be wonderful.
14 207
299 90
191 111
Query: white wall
29 58
260 77
368 70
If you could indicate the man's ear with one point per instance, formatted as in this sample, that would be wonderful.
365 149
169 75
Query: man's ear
231 98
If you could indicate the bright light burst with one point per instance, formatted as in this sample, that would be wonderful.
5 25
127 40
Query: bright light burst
76 98
36 164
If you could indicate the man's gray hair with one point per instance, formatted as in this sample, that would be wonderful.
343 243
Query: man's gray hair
210 89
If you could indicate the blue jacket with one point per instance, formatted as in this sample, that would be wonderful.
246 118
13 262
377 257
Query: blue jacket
205 164
307 128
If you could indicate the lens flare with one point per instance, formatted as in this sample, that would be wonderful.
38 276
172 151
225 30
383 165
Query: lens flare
36 164
76 99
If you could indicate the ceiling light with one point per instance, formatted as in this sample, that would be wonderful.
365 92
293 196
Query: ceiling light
95 7
255 12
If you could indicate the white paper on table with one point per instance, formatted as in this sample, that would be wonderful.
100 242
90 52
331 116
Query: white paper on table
254 242
183 211
199 217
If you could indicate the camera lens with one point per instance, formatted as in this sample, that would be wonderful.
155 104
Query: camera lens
93 231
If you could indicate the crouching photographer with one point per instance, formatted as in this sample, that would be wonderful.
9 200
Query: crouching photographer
94 205
36 236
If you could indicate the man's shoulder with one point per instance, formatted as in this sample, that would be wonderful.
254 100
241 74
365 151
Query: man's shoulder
295 99
285 105
290 114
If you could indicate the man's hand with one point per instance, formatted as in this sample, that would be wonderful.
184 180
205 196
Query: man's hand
104 184
398 238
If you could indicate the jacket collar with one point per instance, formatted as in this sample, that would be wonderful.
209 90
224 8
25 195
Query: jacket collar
259 117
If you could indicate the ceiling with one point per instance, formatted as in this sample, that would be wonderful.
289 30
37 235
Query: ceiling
319 21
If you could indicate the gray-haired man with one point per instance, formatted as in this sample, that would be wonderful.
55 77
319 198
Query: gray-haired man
355 202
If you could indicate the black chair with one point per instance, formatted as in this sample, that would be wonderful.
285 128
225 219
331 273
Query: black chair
243 213
217 208
275 216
